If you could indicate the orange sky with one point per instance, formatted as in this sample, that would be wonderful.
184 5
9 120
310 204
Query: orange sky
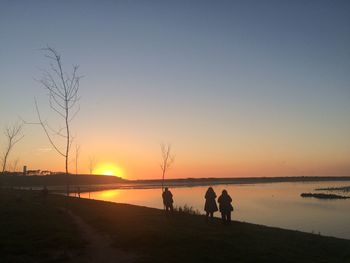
139 157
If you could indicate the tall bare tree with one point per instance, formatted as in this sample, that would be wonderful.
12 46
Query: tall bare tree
92 164
77 153
167 160
62 89
13 134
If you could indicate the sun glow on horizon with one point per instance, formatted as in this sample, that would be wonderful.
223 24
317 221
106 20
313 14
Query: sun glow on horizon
109 169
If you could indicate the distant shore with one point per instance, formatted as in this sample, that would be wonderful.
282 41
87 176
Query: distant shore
324 196
91 183
191 182
241 180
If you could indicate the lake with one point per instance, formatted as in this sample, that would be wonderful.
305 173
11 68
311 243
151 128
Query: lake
271 204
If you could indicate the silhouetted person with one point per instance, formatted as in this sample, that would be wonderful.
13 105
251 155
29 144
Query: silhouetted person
168 200
78 190
210 203
225 207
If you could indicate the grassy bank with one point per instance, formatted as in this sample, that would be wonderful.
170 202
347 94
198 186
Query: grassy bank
35 231
186 238
151 236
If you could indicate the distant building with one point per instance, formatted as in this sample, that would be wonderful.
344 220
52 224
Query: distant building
33 172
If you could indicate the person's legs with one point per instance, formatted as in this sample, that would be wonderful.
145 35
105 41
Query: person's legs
171 208
211 216
223 217
229 217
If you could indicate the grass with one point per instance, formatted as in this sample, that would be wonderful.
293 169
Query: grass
35 232
186 209
188 238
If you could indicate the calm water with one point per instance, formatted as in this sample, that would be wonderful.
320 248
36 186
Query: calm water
274 204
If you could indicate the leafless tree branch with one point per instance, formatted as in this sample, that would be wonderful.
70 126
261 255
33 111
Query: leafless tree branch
62 89
14 165
92 164
13 135
46 132
77 153
167 160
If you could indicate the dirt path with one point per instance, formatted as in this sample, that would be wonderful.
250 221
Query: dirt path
99 248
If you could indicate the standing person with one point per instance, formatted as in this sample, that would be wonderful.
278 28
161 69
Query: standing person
225 207
168 200
210 203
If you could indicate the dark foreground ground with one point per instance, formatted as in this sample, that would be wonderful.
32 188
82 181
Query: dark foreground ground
36 231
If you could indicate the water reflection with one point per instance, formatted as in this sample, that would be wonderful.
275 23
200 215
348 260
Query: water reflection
276 204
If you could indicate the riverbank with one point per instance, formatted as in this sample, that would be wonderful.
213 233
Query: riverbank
38 230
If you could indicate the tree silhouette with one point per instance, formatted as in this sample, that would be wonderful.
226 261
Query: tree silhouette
77 154
167 160
13 135
63 89
92 164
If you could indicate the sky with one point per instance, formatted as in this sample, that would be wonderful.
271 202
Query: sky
238 88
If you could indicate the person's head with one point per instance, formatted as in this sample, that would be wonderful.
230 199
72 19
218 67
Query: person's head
224 192
210 189
166 189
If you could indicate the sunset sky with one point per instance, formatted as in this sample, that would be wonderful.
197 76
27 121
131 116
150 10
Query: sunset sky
239 88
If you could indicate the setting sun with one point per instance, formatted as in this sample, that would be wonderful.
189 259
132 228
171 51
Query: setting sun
108 169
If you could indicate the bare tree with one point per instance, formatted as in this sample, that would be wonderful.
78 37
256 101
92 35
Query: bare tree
63 96
92 164
14 165
167 160
77 153
13 135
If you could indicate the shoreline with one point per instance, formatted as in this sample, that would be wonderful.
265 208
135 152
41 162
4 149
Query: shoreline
88 183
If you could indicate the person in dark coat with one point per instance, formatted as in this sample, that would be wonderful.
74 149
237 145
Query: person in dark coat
168 200
225 207
210 203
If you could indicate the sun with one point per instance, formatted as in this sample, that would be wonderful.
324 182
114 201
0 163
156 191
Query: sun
110 169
